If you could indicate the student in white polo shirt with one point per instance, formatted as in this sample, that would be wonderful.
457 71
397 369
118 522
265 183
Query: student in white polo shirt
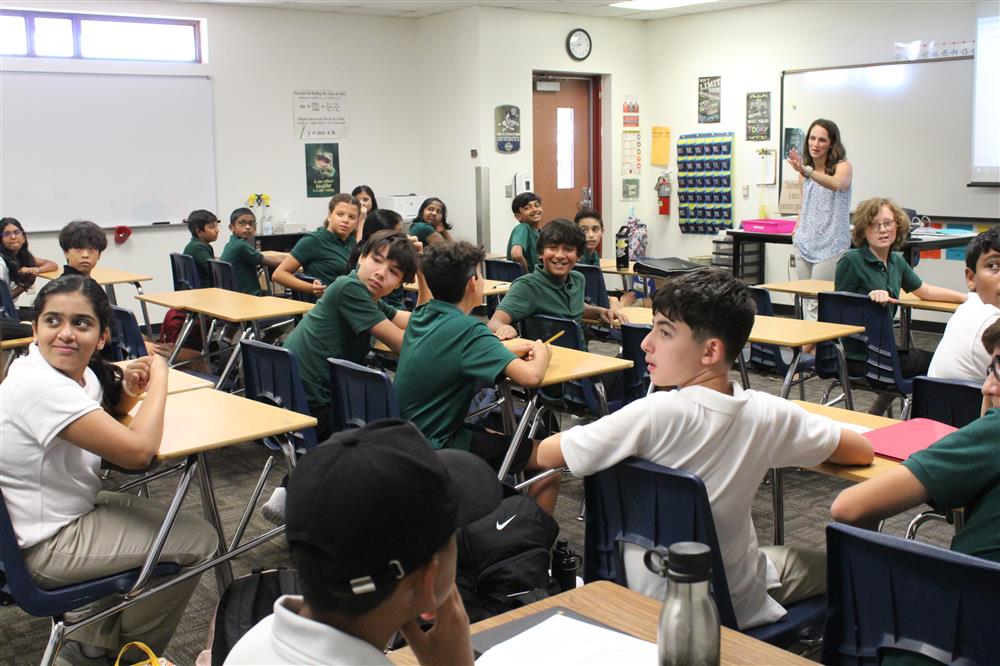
712 427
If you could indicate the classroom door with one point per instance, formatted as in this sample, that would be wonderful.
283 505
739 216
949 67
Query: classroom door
564 144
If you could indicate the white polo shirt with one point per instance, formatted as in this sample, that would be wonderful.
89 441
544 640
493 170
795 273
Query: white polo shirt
730 442
960 353
288 638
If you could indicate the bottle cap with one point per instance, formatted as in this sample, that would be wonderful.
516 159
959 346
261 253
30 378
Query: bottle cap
689 562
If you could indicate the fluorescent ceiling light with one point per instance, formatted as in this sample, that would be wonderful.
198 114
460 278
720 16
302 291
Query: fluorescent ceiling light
653 5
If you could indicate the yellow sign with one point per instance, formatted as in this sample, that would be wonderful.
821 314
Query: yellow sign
661 146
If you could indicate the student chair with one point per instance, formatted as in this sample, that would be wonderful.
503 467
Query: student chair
7 305
18 588
184 271
957 402
126 341
223 274
885 593
502 270
305 297
636 383
359 395
652 506
770 359
596 291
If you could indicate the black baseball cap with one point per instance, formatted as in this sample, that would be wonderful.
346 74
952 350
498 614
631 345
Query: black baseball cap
379 501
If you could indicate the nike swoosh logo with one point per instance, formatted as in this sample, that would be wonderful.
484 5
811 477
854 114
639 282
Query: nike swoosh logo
504 524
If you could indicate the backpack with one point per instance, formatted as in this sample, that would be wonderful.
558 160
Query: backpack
171 327
503 558
247 601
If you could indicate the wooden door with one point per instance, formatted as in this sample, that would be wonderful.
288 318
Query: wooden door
562 143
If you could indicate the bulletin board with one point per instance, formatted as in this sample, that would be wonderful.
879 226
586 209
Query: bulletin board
114 149
907 128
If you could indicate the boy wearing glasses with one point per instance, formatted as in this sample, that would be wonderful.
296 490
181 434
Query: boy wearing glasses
960 470
242 254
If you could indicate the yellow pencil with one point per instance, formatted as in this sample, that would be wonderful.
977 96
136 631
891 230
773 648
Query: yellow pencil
555 337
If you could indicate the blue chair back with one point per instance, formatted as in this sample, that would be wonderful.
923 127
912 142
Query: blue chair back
956 402
184 272
359 395
595 290
879 339
579 393
223 274
502 269
885 592
271 375
303 296
126 341
17 585
652 506
7 302
636 377
765 357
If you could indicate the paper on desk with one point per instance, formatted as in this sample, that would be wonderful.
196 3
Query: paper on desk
853 426
564 640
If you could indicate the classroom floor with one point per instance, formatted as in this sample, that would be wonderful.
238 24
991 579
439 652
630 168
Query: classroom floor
235 470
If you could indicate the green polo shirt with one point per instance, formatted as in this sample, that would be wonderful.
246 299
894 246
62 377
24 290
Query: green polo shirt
540 293
323 254
396 298
590 258
339 326
859 271
445 354
422 230
526 236
245 259
963 470
201 252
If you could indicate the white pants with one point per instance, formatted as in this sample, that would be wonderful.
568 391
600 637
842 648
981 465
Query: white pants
807 270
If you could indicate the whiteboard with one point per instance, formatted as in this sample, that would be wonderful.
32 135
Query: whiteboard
114 149
907 128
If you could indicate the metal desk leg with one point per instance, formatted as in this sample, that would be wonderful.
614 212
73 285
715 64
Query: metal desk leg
778 501
232 359
793 367
185 331
905 314
845 380
224 572
145 312
798 306
109 289
507 411
742 365
522 429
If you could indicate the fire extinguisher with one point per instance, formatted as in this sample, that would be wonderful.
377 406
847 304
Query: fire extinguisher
663 192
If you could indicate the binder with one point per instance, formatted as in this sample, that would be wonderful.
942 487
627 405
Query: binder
900 441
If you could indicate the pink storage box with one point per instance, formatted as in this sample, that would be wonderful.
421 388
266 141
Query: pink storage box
769 226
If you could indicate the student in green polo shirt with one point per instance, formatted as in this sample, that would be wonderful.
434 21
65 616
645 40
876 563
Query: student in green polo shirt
242 254
378 220
554 288
878 228
592 225
446 353
961 470
323 254
349 313
204 228
522 246
430 226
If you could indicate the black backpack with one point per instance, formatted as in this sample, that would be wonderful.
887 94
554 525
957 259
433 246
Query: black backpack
247 601
503 558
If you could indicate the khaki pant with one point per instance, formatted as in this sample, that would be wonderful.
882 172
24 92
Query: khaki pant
802 572
807 270
115 537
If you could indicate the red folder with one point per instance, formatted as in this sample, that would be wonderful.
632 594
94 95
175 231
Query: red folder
899 441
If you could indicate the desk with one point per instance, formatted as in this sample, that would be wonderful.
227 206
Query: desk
10 349
108 278
490 287
231 306
177 381
854 473
634 614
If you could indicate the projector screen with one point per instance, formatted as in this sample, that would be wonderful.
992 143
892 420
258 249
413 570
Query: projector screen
986 107
113 149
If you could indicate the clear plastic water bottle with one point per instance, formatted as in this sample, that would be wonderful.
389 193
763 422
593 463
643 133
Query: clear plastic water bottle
689 632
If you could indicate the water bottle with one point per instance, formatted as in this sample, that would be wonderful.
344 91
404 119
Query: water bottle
688 634
565 563
621 248
266 222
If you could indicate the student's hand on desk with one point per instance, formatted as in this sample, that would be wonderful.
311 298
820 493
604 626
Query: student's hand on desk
139 371
520 348
881 296
506 332
447 642
29 270
611 314
318 288
540 350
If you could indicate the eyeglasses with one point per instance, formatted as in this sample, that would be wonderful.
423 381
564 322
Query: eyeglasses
13 233
994 367
884 225
243 223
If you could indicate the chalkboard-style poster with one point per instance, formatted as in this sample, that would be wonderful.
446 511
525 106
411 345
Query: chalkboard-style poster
759 116
709 99
794 137
507 118
322 169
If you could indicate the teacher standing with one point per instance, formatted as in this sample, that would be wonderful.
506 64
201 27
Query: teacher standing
823 231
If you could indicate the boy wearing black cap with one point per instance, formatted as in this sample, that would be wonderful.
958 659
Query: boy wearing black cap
383 556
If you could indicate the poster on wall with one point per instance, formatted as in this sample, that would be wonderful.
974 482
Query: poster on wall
709 99
507 118
322 169
631 153
793 139
759 116
630 189
319 114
